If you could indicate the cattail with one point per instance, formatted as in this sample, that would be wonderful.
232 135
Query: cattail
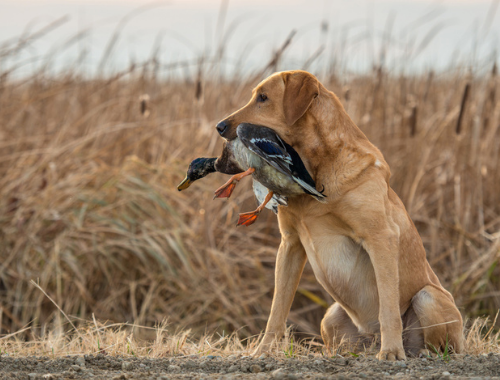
198 93
462 108
413 120
347 93
493 84
199 87
144 100
489 102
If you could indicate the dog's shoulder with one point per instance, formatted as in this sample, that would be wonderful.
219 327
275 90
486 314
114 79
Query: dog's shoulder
357 162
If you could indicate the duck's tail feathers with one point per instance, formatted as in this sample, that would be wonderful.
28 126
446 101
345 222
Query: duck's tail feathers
310 190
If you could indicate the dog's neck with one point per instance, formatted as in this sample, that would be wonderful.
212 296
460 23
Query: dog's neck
332 129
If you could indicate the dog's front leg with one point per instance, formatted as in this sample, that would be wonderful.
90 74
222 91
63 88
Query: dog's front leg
383 249
290 263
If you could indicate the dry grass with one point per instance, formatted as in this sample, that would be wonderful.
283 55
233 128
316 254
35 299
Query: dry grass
122 339
89 208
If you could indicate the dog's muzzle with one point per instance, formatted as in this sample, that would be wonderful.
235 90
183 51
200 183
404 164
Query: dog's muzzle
221 127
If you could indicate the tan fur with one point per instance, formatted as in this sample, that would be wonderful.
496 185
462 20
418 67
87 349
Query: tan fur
362 245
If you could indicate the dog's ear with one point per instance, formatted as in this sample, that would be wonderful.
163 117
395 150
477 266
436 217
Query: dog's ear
300 90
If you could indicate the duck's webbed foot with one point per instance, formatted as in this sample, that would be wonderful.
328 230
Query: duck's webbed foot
226 190
249 218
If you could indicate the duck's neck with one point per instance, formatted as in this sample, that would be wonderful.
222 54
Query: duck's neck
210 166
226 163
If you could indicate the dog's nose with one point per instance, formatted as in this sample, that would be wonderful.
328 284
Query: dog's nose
221 127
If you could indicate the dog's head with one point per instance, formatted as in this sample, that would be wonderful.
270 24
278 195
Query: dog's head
278 102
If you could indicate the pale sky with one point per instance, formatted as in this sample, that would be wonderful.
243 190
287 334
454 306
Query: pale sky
461 31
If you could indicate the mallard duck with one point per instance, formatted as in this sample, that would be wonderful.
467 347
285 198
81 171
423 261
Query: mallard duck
201 167
260 152
276 168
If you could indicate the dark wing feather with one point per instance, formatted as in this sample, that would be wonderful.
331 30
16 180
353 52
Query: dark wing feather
301 175
265 143
269 146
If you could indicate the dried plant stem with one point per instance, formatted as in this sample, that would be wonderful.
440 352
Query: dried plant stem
56 305
463 104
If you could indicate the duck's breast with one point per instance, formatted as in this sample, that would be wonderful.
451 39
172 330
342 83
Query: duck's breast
241 154
277 181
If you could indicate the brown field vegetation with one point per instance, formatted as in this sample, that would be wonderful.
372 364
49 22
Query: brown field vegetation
90 212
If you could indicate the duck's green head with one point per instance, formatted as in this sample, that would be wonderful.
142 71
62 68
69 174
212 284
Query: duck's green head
199 168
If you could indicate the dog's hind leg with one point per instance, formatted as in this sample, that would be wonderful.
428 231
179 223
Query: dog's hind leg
337 329
439 319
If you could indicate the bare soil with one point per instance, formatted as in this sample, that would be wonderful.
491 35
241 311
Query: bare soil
238 367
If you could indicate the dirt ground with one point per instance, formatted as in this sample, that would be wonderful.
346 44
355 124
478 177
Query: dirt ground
238 367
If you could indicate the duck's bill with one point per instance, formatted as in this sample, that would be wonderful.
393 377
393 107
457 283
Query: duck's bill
184 184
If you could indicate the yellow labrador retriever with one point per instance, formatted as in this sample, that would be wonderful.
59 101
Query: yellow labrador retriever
362 245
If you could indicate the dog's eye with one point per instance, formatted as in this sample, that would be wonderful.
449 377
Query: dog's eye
262 98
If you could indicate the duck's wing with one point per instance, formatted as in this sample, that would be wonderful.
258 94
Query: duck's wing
301 175
265 143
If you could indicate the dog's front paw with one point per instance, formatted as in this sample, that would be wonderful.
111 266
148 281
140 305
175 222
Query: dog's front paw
263 347
266 343
392 354
258 351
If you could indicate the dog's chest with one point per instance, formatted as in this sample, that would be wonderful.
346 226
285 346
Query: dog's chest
343 268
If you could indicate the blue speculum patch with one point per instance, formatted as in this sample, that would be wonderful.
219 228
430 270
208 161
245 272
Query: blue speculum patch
268 147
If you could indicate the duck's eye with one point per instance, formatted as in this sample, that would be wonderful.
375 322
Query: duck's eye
262 98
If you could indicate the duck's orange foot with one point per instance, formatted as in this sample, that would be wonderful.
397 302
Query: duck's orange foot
225 191
248 218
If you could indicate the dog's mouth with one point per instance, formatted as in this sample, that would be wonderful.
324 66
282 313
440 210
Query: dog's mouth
231 136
